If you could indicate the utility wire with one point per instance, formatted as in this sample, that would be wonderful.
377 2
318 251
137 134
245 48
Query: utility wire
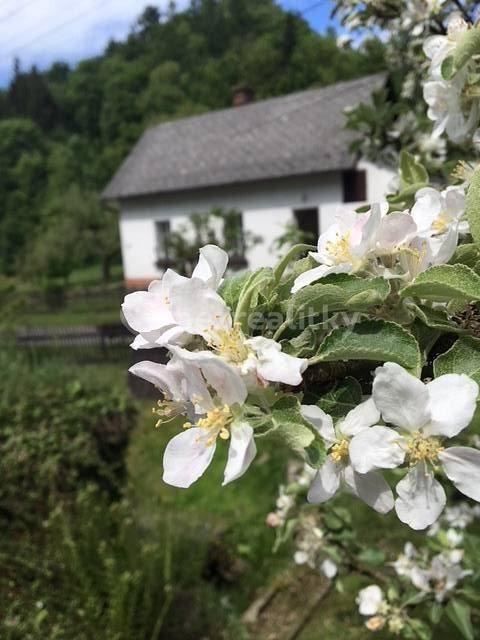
23 6
312 7
56 28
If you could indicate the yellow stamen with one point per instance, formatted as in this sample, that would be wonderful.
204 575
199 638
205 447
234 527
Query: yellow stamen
230 343
340 451
440 224
167 410
421 449
216 423
339 249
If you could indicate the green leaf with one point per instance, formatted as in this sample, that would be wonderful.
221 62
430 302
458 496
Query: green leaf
307 342
460 615
468 254
448 68
463 357
336 293
341 399
376 340
406 197
316 453
411 171
472 206
435 318
443 283
290 424
375 557
231 288
467 47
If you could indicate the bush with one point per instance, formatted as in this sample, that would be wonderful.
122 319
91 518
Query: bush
56 435
105 573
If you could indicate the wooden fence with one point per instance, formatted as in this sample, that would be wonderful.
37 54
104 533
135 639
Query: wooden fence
87 344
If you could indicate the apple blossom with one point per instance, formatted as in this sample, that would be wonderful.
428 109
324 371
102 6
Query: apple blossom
149 312
349 244
258 360
337 469
186 390
435 212
426 414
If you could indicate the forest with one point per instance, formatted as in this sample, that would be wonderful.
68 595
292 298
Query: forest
64 131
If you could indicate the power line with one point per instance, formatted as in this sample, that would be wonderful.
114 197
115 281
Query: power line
56 28
312 7
23 6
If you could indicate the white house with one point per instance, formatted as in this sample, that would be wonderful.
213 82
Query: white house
276 161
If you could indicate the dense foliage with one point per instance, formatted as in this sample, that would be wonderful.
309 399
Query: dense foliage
63 132
55 438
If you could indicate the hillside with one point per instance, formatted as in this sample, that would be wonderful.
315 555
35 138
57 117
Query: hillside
64 131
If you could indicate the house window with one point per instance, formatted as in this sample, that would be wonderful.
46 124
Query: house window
307 221
162 230
354 186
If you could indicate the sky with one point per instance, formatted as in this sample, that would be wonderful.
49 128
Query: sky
42 31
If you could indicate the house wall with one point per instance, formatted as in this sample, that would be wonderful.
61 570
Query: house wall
267 207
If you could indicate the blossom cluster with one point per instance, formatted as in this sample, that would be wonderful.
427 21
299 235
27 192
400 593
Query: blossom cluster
225 381
436 572
209 384
453 98
397 245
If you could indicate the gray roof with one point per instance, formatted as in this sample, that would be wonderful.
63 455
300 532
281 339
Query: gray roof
298 134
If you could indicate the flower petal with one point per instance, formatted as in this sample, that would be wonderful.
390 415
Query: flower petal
145 311
312 275
371 488
369 600
186 457
421 498
401 398
453 399
321 421
462 467
211 266
221 375
198 308
241 452
376 448
426 209
359 418
275 366
166 377
395 229
326 482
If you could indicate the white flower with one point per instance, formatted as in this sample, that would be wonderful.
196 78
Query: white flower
436 212
444 100
300 557
188 454
186 390
337 469
422 253
406 566
258 360
444 575
370 600
329 568
439 47
149 312
348 245
425 414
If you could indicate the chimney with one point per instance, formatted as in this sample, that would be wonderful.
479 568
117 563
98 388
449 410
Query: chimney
241 95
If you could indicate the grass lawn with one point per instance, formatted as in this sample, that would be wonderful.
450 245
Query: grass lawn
92 275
